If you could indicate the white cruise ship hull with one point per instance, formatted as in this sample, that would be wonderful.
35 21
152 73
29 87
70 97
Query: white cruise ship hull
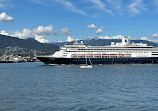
97 61
116 53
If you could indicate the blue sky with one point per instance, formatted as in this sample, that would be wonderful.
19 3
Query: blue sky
54 20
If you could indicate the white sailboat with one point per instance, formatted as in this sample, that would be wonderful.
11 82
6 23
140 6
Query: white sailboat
86 65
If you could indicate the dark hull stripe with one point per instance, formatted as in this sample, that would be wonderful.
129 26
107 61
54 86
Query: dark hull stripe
47 60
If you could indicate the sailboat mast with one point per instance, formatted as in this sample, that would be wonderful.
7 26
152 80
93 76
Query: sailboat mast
90 61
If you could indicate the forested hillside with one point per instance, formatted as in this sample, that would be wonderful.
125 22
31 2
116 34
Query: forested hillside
13 45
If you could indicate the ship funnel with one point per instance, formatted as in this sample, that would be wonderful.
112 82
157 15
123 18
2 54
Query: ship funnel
125 41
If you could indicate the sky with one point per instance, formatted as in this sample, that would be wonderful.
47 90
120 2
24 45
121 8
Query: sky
55 20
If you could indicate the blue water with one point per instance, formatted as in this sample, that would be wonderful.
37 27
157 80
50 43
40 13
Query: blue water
36 87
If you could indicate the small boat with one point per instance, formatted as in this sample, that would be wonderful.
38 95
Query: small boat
86 65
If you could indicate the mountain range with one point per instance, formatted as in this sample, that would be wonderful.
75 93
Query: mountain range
103 42
25 47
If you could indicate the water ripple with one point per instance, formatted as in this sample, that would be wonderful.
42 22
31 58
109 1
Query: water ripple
35 87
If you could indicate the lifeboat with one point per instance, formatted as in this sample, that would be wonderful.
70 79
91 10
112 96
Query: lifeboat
113 54
73 55
80 55
105 54
97 55
120 54
89 55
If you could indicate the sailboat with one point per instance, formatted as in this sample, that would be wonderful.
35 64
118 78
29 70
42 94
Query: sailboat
86 65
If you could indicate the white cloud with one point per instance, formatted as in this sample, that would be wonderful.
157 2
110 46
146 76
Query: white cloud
117 5
40 30
66 3
41 39
92 26
136 6
5 3
65 31
114 37
26 33
70 6
117 37
69 39
129 37
121 7
155 35
108 37
144 38
99 31
3 32
101 6
38 33
104 37
5 17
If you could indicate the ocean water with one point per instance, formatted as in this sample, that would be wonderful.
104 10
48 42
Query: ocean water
37 87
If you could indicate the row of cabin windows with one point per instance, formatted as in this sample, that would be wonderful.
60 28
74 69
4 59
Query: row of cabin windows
104 57
106 49
109 59
104 52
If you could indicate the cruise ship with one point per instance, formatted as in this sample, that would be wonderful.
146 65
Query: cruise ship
116 53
